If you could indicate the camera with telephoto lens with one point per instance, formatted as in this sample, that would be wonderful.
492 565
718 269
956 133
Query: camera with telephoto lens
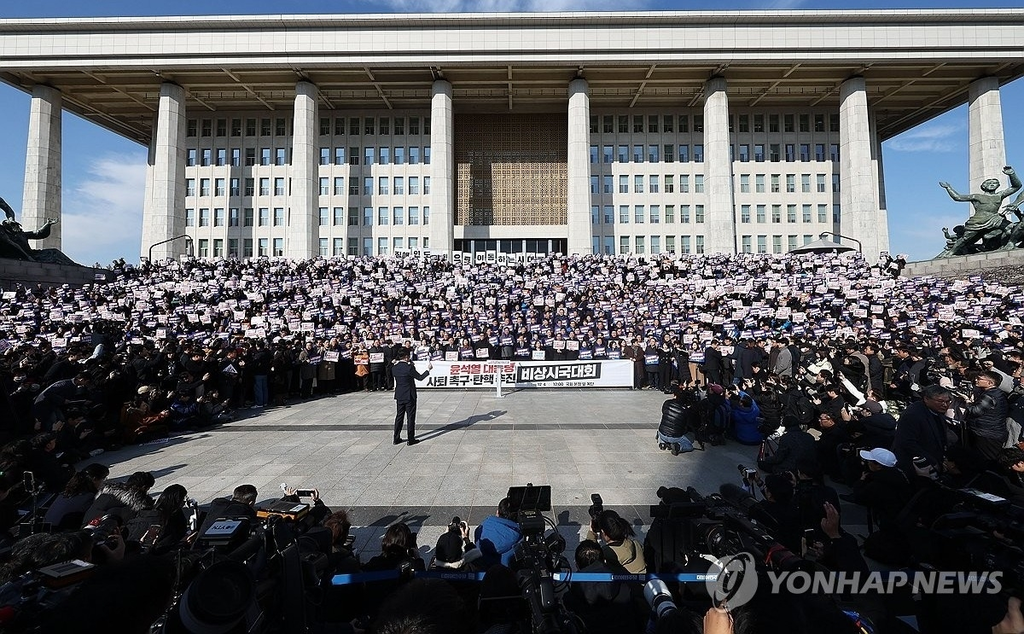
659 597
596 506
456 525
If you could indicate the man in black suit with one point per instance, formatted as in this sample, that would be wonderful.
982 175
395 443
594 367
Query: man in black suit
405 394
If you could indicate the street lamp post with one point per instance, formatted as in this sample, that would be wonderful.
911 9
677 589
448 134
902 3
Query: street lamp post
860 248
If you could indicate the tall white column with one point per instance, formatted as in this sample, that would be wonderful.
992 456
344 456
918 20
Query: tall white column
303 225
442 170
164 210
882 226
719 214
580 231
41 197
986 149
858 185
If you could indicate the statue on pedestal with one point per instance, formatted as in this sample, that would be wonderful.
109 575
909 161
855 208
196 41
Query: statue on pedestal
14 241
987 229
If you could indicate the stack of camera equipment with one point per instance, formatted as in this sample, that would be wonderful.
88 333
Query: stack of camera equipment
537 557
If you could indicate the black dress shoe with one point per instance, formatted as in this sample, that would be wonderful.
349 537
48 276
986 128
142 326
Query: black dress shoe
413 441
398 441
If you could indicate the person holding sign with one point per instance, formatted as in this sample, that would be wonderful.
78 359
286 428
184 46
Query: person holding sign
406 375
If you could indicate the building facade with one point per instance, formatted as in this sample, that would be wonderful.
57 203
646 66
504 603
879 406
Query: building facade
695 132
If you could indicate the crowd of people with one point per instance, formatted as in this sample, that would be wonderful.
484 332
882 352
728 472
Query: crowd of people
889 385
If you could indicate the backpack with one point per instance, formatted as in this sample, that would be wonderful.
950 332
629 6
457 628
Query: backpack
801 408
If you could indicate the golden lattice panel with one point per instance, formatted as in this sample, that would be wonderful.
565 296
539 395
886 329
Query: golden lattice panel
510 169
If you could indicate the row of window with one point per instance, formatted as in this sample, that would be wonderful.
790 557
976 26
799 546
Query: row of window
327 247
337 216
652 214
281 126
656 183
671 123
638 244
236 157
384 185
669 153
746 245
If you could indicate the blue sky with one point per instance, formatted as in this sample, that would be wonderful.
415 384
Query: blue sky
104 174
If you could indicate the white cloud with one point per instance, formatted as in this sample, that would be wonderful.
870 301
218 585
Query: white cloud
102 216
930 138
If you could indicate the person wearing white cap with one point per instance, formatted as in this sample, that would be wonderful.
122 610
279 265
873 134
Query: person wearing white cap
882 487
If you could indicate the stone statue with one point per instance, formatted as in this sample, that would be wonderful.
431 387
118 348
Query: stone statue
14 241
987 229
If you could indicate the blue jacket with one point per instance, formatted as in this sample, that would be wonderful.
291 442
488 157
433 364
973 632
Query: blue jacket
744 421
496 537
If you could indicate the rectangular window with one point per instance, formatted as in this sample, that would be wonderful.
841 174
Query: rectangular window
745 213
353 156
759 152
698 183
204 186
368 155
744 153
278 216
653 153
698 214
823 213
369 126
264 247
670 244
791 243
414 185
667 123
279 186
233 217
204 248
384 128
655 214
684 245
609 214
382 185
773 152
607 154
776 183
773 123
414 125
426 155
367 246
760 213
670 214
638 154
426 184
623 184
684 214
280 156
204 217
325 156
190 217
758 123
265 156
746 244
595 184
382 246
190 187
698 153
653 182
638 184
399 185
264 216
684 183
414 155
670 184
819 151
684 153
218 217
278 247
640 245
593 154
623 154
247 217
426 221
324 216
820 183
833 152
670 153
190 157
805 183
353 216
383 214
623 244
805 123
339 185
414 215
699 245
623 214
790 183
325 186
638 214
790 152
805 213
759 183
744 183
367 186
367 216
250 156
606 184
399 155
744 123
399 244
805 152
384 155
339 247
398 213
595 214
762 244
339 216
698 123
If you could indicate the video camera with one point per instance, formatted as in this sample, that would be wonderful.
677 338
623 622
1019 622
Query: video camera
537 557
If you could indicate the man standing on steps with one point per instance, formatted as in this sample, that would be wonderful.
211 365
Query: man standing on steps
405 394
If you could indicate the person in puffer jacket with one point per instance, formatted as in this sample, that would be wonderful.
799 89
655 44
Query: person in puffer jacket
745 416
123 499
619 545
986 416
497 536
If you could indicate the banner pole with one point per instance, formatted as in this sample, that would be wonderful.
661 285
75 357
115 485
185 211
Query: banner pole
497 383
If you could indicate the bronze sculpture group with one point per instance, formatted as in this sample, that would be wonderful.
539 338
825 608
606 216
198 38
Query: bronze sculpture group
14 241
989 228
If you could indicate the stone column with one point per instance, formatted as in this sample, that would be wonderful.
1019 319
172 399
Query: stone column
719 214
879 174
164 208
858 192
442 170
41 197
580 231
303 225
986 149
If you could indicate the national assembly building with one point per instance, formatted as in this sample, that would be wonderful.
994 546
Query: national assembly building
629 133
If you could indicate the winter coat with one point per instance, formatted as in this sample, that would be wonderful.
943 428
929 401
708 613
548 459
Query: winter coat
986 418
119 499
496 537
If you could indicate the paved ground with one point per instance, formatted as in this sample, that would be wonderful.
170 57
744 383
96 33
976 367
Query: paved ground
474 446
